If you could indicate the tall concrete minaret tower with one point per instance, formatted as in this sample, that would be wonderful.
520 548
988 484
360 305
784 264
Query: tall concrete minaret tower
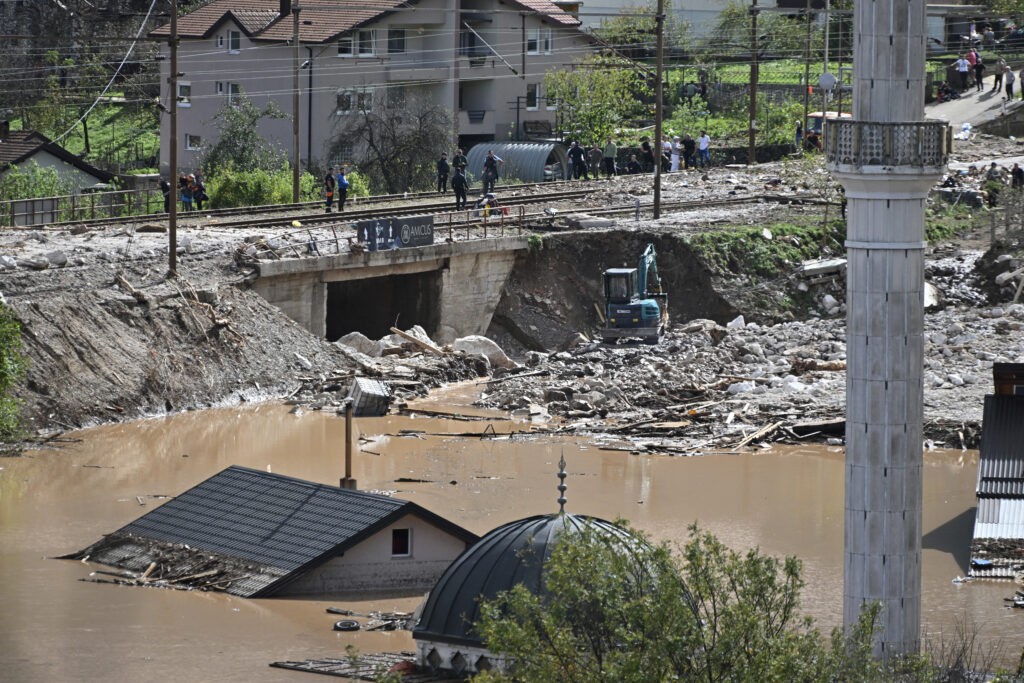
887 158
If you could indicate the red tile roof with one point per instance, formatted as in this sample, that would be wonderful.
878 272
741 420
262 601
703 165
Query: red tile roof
259 18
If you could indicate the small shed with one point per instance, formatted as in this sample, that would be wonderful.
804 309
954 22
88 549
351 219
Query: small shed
524 161
997 550
273 535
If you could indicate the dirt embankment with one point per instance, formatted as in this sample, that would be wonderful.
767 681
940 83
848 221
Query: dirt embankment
557 290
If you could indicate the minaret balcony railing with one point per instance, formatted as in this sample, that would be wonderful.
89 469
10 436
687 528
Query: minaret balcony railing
908 147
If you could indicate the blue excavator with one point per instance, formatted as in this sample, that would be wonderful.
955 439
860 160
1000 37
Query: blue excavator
636 307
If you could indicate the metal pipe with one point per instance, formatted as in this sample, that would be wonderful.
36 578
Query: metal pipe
660 22
348 441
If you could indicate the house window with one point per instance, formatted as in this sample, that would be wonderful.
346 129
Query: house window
220 41
546 41
343 153
184 94
533 41
193 142
234 42
366 44
219 87
396 97
350 101
401 542
532 95
396 41
234 92
345 46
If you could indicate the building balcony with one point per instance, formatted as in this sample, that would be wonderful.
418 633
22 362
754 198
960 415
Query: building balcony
917 147
417 70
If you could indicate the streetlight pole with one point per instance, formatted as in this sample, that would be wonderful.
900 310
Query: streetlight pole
807 71
753 82
172 213
656 147
295 104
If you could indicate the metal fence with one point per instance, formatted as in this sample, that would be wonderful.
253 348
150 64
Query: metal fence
77 207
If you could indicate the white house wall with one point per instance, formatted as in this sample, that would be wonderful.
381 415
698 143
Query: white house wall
78 178
369 566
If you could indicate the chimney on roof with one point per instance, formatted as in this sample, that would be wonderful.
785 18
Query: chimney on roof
286 8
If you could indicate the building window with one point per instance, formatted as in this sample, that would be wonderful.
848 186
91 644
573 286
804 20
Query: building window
345 46
219 87
234 42
532 95
350 101
343 153
396 41
546 41
184 94
193 142
220 40
533 41
234 93
401 542
396 97
366 44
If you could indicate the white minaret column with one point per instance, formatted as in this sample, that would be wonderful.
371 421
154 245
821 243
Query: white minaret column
887 158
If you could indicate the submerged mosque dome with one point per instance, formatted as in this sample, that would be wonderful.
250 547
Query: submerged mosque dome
512 554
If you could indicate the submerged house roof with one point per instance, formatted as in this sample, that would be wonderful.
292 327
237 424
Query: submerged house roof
277 527
998 547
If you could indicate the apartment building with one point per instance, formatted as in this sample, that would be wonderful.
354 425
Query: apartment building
484 59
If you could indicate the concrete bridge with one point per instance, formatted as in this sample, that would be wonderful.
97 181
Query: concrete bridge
451 289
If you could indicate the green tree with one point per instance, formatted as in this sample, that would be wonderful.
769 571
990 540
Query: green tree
778 34
12 369
624 612
238 146
29 180
633 32
595 96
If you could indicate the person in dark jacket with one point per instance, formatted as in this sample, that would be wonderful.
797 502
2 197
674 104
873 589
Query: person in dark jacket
578 159
186 194
633 167
330 182
199 192
1017 177
460 186
689 152
646 154
165 189
491 164
442 173
459 161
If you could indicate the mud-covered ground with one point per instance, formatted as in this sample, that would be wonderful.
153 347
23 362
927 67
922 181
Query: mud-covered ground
110 337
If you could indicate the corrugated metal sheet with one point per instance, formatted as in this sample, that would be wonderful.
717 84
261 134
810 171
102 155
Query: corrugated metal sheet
1000 518
522 160
1001 465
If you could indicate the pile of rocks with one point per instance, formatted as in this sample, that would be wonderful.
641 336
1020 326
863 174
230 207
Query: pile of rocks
708 384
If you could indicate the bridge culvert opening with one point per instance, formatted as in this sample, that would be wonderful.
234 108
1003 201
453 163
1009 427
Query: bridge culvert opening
373 305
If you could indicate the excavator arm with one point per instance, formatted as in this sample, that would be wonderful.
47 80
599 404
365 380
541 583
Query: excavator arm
647 273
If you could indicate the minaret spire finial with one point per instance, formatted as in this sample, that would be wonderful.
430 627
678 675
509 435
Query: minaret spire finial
561 485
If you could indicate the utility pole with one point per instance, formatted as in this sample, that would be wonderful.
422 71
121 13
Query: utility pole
522 46
753 82
656 146
172 214
295 104
824 69
807 69
839 68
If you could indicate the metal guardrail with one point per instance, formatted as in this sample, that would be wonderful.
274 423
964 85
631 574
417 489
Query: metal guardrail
75 207
920 144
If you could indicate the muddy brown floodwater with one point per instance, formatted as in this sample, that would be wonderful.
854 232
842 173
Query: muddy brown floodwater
56 628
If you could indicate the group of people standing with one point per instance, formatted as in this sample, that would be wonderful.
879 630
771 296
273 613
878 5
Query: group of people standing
687 151
584 163
457 167
191 192
971 65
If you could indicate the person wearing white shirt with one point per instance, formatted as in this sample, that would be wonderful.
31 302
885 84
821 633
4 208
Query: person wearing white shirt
704 148
963 67
1008 79
676 151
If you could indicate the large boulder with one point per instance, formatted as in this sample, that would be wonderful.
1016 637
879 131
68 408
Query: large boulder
478 345
361 343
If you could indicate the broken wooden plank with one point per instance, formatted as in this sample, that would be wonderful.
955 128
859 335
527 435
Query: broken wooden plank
418 342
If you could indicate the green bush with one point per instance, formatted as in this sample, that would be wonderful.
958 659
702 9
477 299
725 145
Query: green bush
12 369
358 185
231 188
29 180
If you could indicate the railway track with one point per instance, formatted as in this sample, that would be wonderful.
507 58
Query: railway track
262 209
